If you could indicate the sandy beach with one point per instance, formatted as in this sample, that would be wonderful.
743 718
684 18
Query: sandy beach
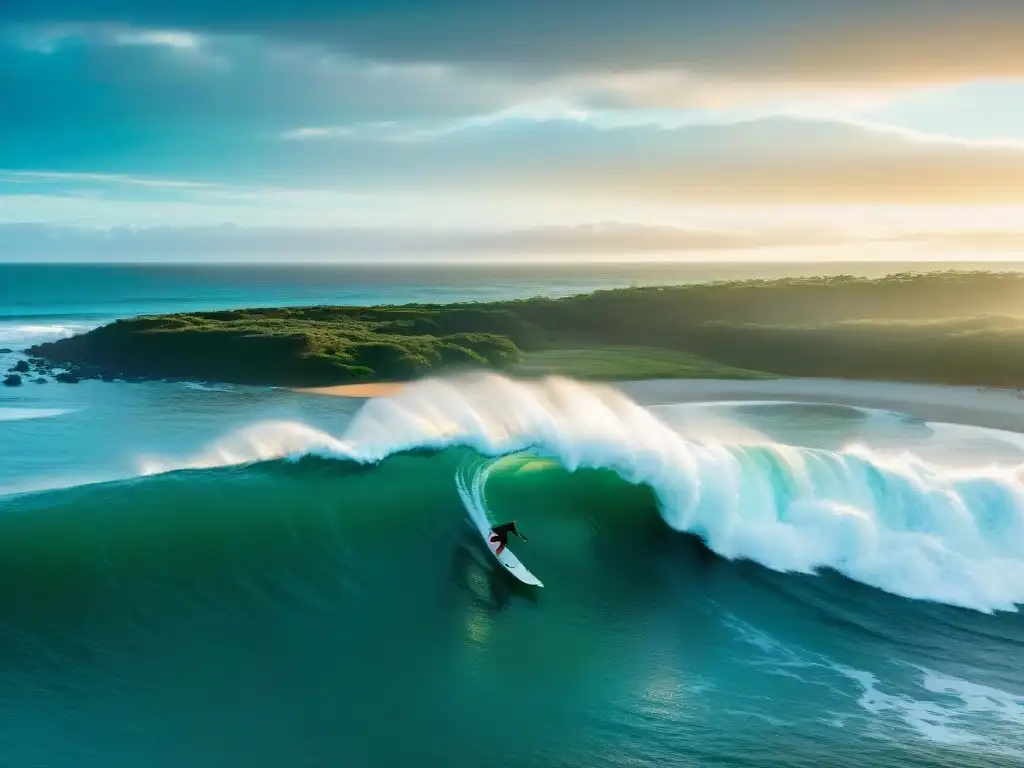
993 408
379 389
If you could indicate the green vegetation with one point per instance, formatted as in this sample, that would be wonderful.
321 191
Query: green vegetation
623 363
301 347
950 327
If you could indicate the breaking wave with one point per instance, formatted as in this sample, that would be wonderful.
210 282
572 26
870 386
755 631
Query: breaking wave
895 523
18 335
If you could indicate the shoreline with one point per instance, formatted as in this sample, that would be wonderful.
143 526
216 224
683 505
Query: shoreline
992 408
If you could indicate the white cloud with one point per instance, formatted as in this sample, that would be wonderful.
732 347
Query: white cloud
925 137
372 129
319 242
545 111
8 176
679 89
316 133
599 241
159 37
335 95
186 45
48 38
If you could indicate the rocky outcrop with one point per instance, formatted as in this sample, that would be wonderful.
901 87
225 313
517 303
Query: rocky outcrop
12 380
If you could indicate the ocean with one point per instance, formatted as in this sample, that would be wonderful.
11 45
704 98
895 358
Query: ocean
211 575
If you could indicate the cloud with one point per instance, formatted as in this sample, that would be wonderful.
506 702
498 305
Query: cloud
376 129
42 177
582 163
157 99
608 240
767 161
546 111
48 242
870 41
145 98
281 68
169 38
984 242
679 89
50 38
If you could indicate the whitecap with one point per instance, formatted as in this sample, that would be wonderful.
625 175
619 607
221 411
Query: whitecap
21 414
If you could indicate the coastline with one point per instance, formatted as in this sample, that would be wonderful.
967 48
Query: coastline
924 328
993 408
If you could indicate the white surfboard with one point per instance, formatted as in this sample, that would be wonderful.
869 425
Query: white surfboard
508 559
473 501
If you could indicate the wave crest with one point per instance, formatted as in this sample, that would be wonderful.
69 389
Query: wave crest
20 335
260 442
897 524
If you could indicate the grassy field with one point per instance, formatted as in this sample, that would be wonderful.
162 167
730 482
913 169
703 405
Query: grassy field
624 363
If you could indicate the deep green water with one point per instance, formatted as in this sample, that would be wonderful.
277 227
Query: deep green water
227 576
315 610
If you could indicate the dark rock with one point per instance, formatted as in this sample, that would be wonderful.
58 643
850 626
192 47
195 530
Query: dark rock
14 380
40 380
67 378
21 367
6 351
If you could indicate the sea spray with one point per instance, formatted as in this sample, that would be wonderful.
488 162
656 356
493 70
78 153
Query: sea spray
19 334
263 441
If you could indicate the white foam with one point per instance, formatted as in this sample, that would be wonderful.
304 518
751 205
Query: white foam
260 442
956 712
896 523
470 485
21 414
19 335
930 719
200 387
939 708
979 699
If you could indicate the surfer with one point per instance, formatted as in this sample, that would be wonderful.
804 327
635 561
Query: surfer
500 534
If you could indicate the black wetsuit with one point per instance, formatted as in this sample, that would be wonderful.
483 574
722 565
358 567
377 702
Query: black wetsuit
500 534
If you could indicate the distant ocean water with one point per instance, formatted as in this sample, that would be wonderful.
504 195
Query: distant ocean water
209 575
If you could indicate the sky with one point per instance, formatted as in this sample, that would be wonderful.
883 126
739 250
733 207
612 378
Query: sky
458 129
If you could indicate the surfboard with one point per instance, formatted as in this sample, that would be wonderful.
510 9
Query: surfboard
473 501
508 559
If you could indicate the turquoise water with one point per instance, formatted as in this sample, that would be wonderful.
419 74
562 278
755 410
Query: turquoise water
217 575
